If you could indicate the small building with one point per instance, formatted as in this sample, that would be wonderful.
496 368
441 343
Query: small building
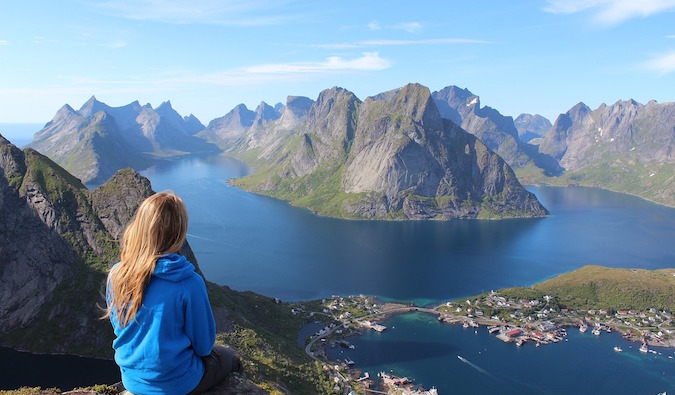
513 333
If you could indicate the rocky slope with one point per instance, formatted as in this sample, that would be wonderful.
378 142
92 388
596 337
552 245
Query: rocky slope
391 156
57 242
97 140
498 132
531 127
53 236
627 147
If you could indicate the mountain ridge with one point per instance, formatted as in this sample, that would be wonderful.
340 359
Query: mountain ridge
388 157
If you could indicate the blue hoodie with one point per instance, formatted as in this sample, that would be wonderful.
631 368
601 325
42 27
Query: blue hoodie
159 351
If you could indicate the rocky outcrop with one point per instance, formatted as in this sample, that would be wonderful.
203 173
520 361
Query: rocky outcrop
231 125
498 132
391 156
98 140
627 147
531 127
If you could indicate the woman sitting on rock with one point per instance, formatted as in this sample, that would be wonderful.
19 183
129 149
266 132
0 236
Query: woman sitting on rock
159 308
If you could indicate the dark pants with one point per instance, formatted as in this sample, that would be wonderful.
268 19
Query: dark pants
217 365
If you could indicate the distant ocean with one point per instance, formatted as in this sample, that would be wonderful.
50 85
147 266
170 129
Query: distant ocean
19 134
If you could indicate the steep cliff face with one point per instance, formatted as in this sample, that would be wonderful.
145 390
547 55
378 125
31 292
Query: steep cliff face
98 140
51 238
391 156
627 147
57 242
531 127
498 132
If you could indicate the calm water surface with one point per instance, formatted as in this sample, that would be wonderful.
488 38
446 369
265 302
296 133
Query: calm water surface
417 345
252 242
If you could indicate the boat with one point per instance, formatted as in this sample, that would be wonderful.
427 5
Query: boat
618 349
348 361
520 342
583 328
493 329
643 348
596 332
465 324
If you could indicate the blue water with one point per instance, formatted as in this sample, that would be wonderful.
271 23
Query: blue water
22 369
252 242
418 346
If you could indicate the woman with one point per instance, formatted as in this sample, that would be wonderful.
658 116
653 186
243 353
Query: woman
159 308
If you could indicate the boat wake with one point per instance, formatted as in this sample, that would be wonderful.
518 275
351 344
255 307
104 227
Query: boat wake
473 365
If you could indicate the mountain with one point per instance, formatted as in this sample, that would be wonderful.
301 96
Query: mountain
231 125
264 129
58 240
97 140
531 127
627 147
54 233
498 132
390 156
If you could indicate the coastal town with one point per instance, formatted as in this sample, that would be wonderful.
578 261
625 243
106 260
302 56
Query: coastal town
512 318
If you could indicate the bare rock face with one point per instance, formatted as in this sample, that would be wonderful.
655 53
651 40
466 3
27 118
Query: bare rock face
531 127
97 140
391 156
626 147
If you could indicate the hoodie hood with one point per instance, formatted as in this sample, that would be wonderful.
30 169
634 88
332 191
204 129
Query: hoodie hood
173 267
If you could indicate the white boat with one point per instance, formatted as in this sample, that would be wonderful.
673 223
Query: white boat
583 328
618 349
643 348
596 332
348 361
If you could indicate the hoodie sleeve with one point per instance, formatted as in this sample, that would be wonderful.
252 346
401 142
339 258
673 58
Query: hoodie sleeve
200 326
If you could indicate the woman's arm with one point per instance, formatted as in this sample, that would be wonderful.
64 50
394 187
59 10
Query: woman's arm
200 326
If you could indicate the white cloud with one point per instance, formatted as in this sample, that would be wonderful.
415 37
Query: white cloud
663 65
429 41
374 26
410 27
116 44
370 61
670 36
226 12
387 42
610 12
4 42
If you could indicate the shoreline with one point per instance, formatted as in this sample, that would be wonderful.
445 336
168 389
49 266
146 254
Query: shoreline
538 331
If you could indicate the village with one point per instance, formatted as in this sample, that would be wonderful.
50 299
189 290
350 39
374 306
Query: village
512 319
540 321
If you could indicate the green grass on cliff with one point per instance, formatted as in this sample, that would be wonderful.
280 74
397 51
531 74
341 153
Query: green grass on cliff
264 332
593 287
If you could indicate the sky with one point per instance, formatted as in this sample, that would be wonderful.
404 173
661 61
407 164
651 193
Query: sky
207 56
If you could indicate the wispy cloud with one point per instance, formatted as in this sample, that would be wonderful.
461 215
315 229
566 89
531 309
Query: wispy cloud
664 64
225 12
670 36
116 44
4 43
374 26
370 61
610 12
246 76
387 42
410 27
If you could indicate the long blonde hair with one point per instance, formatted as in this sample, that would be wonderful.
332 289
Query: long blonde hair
158 228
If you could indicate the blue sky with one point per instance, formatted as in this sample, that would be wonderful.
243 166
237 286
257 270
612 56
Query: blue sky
207 56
